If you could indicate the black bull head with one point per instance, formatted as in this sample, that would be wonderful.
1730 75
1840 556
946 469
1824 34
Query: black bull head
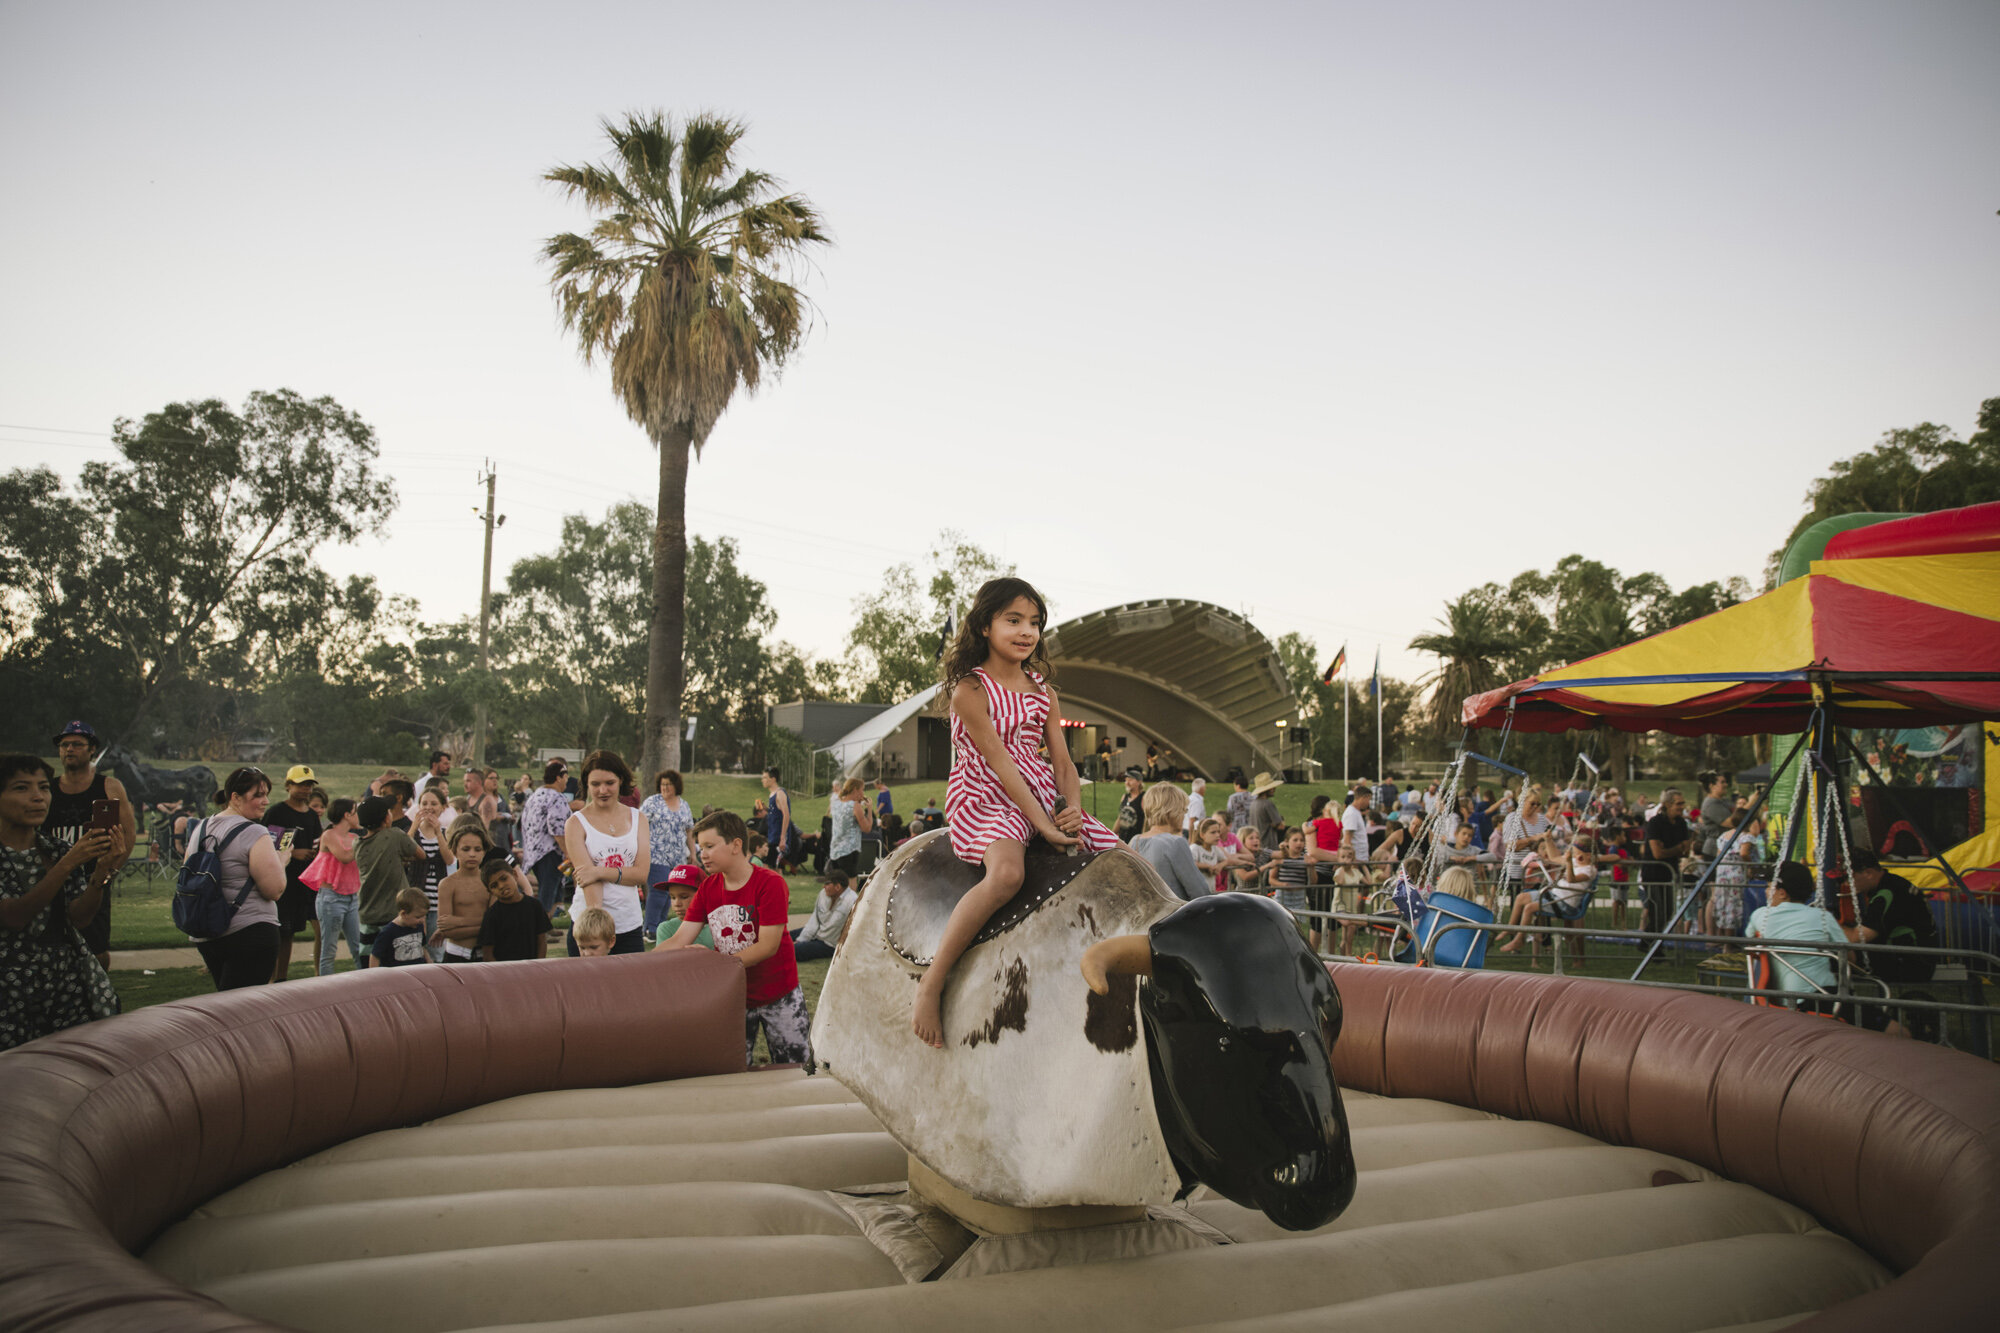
1240 1022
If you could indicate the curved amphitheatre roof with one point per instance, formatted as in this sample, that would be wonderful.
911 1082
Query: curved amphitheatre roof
1200 679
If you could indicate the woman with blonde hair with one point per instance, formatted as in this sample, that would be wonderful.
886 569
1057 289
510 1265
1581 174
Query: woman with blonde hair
853 815
1163 844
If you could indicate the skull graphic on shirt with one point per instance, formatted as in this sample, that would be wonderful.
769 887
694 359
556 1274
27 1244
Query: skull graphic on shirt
733 926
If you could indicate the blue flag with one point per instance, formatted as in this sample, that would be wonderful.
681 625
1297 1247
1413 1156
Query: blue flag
1375 680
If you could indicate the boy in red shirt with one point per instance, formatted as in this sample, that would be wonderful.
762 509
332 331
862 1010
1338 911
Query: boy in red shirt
746 908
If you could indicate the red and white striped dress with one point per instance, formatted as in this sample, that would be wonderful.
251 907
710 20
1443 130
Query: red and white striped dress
979 811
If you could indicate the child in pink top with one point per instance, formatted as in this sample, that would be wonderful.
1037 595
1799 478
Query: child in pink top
338 881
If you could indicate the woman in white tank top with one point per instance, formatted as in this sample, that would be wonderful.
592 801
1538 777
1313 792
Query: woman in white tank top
609 852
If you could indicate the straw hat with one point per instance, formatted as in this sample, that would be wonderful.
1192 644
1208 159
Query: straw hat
1264 782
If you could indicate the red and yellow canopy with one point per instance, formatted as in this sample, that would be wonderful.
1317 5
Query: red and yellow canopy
1909 637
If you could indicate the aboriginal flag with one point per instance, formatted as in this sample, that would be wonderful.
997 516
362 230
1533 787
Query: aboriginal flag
1339 661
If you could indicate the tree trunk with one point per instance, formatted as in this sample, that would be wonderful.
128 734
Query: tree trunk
661 746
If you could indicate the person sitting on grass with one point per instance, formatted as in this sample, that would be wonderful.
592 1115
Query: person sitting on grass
516 925
594 933
747 907
819 937
401 942
678 889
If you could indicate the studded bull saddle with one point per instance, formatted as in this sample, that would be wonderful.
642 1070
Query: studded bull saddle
930 882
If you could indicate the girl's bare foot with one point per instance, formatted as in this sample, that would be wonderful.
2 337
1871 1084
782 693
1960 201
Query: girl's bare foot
927 1012
1515 947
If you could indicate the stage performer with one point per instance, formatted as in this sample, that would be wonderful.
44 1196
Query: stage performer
1001 791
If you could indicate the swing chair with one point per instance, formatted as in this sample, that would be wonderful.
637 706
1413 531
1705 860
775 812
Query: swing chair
1779 967
1555 904
1424 909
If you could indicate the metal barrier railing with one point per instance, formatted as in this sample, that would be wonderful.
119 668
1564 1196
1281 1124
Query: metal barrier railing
1844 980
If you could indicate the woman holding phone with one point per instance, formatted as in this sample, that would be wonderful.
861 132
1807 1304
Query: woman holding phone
49 980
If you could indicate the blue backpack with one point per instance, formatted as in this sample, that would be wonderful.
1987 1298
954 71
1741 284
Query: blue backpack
200 908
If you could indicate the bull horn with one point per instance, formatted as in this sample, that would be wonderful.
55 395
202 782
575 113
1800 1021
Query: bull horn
1119 956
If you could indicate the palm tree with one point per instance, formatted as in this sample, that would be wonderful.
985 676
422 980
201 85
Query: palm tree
681 286
1475 637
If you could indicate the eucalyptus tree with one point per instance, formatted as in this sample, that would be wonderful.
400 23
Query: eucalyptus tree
683 286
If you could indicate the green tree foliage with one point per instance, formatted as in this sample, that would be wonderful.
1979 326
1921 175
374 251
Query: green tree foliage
167 583
681 286
570 631
893 647
1541 620
1323 712
1912 470
327 694
572 643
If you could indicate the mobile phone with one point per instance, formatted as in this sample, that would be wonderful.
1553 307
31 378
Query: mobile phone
106 814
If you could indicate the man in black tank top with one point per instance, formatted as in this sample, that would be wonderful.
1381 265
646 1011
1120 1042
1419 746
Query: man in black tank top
77 788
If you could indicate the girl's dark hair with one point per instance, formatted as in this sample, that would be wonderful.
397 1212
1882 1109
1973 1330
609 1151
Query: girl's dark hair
607 761
1318 804
10 764
969 648
240 783
338 810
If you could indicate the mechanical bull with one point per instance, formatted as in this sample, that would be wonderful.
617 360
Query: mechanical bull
1105 1042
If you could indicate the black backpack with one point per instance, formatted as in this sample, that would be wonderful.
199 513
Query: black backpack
200 909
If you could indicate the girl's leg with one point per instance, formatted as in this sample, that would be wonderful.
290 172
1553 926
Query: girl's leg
351 926
1515 918
326 907
1002 882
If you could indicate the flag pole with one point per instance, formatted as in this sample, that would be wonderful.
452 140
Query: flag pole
1346 721
1376 685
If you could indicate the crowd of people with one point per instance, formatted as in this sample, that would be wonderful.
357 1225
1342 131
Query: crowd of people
409 871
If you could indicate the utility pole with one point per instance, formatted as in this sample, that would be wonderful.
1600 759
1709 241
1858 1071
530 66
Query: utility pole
485 610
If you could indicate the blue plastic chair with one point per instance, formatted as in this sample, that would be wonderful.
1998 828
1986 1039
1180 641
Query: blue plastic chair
1458 948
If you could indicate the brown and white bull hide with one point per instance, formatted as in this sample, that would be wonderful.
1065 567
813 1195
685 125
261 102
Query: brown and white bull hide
1041 1096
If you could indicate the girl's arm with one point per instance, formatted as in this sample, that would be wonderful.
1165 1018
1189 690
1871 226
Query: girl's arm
968 702
341 847
642 867
585 874
1068 784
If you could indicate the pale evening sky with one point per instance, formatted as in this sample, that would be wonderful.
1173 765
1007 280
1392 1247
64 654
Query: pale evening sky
1322 312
